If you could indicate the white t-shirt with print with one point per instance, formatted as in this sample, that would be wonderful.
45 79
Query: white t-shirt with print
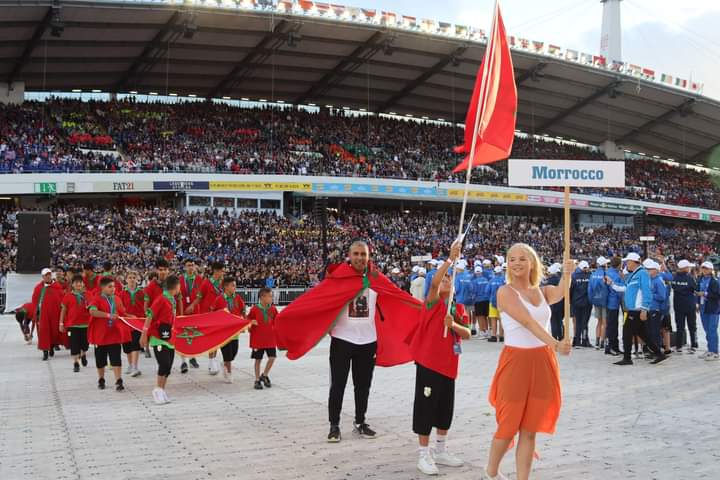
357 323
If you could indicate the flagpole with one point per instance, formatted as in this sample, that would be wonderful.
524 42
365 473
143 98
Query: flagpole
566 257
471 157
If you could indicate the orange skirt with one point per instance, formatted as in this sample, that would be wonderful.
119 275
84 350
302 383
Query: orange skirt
526 391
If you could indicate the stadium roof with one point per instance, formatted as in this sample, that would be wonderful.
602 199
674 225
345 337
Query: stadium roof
188 48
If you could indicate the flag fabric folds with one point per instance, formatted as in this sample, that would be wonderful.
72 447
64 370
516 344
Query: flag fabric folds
198 334
490 120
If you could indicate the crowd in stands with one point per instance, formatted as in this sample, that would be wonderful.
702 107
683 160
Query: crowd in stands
262 248
128 136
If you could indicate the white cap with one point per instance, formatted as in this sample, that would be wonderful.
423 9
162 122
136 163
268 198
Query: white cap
555 268
632 256
433 262
416 269
504 265
45 271
583 265
498 269
651 264
602 261
487 262
477 263
685 264
422 271
461 264
500 258
395 270
708 265
478 269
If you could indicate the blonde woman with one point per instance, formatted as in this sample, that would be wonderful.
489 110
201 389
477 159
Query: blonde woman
526 387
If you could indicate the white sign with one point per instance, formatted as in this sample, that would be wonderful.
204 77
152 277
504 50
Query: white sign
566 173
647 239
421 258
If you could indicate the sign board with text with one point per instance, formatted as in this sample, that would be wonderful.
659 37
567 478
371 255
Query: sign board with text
566 173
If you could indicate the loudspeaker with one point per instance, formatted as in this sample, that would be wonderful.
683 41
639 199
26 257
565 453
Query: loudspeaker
33 242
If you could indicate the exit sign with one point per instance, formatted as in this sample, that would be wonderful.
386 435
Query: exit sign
46 188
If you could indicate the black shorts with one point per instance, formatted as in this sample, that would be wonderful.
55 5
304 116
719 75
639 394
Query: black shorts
258 354
113 352
230 350
78 340
666 322
482 308
434 401
134 344
164 357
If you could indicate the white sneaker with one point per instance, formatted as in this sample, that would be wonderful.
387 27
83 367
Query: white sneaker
129 370
712 357
228 376
165 396
135 372
486 476
426 465
213 366
158 396
447 459
703 356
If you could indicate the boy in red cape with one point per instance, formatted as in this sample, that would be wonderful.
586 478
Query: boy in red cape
368 318
46 301
262 336
233 303
107 332
436 358
74 319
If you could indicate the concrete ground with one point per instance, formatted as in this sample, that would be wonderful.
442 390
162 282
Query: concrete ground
640 422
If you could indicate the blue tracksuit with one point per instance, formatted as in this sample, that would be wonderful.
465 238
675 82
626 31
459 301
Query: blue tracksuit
488 273
637 290
657 305
428 281
614 298
598 290
497 281
612 330
684 287
580 306
481 288
464 288
710 310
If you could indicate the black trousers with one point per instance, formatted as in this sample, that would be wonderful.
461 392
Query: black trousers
343 356
636 327
230 350
611 330
685 317
582 318
556 322
164 357
78 340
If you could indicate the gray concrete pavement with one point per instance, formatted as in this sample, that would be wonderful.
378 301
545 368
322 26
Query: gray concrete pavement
640 422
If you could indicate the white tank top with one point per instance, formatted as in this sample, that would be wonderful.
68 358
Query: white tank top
518 336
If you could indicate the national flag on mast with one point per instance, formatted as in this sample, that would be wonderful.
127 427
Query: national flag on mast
490 120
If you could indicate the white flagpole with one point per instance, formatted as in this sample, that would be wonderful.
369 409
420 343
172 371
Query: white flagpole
486 69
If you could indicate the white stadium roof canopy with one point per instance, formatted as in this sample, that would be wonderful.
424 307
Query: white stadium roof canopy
305 52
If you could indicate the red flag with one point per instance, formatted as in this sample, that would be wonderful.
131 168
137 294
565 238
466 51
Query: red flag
490 120
195 335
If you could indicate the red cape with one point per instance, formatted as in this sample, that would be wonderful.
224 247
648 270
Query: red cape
195 335
48 324
303 323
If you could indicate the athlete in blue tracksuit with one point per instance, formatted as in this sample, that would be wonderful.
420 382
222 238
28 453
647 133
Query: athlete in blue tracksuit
709 305
657 305
495 283
580 304
684 287
598 292
637 297
614 301
464 290
481 288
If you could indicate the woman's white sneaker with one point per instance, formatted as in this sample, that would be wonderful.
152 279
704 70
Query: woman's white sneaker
158 396
487 476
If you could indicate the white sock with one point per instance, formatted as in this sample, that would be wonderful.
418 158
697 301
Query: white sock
423 451
440 443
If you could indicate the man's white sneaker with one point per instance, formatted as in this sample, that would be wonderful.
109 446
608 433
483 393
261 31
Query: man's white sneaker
447 459
158 396
426 464
712 357
703 356
486 476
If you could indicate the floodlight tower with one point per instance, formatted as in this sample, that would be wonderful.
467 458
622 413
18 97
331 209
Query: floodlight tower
611 36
